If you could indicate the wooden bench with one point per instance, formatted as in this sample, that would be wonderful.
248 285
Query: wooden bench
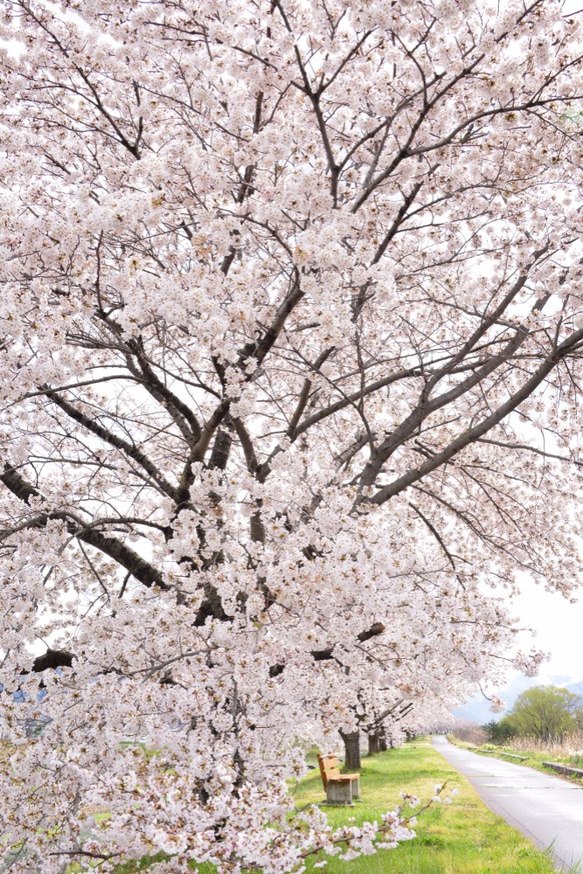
340 788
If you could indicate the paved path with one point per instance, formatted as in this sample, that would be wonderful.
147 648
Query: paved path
546 809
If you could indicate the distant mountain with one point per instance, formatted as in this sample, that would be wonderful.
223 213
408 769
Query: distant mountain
477 709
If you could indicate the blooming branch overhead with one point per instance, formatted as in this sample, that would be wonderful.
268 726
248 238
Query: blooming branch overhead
290 341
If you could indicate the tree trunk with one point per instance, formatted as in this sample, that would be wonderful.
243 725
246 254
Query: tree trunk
352 750
374 743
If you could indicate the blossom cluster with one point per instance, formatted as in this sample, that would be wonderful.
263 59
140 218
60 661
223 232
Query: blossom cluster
290 355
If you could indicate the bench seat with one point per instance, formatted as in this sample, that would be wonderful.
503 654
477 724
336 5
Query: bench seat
340 788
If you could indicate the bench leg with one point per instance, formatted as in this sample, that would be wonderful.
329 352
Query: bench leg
339 793
356 788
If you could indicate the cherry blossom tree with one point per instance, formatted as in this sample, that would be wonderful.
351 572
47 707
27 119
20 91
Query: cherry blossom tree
290 335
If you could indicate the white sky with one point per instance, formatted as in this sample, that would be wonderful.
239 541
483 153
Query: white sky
559 627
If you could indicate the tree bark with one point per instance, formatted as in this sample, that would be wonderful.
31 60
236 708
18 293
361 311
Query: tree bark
377 740
351 750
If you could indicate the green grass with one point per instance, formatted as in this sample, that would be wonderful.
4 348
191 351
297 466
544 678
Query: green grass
461 838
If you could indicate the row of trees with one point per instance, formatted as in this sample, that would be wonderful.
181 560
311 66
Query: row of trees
290 360
546 714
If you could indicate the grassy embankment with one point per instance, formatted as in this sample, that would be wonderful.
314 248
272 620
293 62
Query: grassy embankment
461 838
533 754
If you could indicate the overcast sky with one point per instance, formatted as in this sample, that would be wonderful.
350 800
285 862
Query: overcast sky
559 627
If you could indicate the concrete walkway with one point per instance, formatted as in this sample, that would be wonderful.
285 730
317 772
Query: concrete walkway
547 810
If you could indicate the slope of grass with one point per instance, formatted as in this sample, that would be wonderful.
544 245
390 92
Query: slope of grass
534 756
461 838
